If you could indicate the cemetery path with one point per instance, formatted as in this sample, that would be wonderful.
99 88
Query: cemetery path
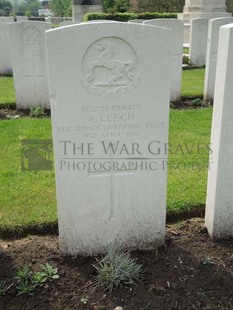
189 272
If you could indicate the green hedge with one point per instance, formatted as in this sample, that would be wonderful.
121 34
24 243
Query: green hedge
124 17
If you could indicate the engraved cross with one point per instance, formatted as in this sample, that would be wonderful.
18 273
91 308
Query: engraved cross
111 173
34 76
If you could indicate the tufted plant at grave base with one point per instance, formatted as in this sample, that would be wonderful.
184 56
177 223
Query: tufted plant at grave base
37 112
116 269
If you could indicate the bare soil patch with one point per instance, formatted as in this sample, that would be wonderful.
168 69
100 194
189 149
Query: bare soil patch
189 272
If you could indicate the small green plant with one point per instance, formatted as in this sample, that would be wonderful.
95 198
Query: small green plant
50 272
3 288
116 269
208 261
39 278
23 274
29 281
197 102
25 287
37 112
186 60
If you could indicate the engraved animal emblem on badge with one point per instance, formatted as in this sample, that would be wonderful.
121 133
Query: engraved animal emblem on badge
110 68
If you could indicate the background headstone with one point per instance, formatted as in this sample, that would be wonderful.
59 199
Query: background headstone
198 41
82 7
9 19
219 204
201 9
21 18
5 59
137 21
107 94
48 19
27 46
69 22
177 28
211 55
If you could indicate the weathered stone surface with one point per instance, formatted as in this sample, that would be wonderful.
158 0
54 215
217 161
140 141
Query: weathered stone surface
198 42
9 19
177 28
5 59
211 55
69 22
110 119
27 46
219 204
209 9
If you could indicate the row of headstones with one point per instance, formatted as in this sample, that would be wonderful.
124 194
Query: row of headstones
109 90
26 53
11 19
36 76
204 49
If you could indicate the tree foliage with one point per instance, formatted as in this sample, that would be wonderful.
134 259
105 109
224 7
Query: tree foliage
5 8
167 5
112 6
230 6
62 7
29 6
160 5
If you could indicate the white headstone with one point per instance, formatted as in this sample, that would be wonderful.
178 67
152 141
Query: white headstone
209 9
137 21
198 41
219 204
48 19
211 55
5 59
8 19
177 28
69 22
21 18
109 120
27 46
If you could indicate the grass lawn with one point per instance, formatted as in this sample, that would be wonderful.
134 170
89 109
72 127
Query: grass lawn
185 50
7 94
193 83
28 198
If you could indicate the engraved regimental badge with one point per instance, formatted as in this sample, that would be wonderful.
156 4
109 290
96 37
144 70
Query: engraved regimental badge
110 68
31 36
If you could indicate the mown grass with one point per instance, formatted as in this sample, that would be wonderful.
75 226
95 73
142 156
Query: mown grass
193 83
7 94
185 50
27 199
187 173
